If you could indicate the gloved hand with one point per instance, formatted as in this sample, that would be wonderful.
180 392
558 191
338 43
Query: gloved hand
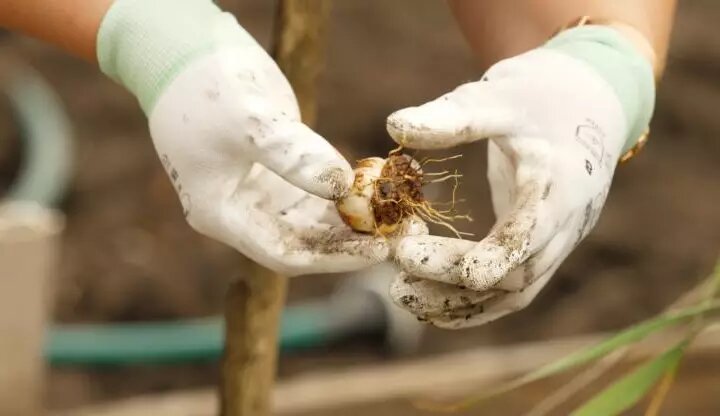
558 119
226 125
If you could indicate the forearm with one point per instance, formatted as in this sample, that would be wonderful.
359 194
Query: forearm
498 29
69 24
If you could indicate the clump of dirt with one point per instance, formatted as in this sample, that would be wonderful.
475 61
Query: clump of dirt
398 190
387 191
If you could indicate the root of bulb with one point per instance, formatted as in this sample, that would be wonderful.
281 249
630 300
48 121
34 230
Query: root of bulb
391 192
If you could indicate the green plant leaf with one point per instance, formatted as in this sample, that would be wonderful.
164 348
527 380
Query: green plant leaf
625 337
658 398
627 391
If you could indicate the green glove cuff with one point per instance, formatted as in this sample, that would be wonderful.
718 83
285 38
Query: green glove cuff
145 44
617 60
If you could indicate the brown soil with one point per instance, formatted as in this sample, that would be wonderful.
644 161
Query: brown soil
397 191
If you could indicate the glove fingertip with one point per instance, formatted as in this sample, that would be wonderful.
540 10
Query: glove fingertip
409 128
413 226
330 181
308 161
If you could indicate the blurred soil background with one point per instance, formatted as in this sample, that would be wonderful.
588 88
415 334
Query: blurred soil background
128 254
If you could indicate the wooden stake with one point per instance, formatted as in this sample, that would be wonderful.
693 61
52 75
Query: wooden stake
254 303
253 308
299 49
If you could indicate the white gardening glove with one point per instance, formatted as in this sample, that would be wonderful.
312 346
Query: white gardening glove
558 119
226 125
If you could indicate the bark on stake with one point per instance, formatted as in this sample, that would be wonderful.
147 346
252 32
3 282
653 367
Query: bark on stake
254 303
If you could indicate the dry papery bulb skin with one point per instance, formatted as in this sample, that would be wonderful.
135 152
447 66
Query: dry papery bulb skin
387 191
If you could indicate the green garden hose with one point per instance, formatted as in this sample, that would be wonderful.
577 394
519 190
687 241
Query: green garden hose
304 326
45 170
